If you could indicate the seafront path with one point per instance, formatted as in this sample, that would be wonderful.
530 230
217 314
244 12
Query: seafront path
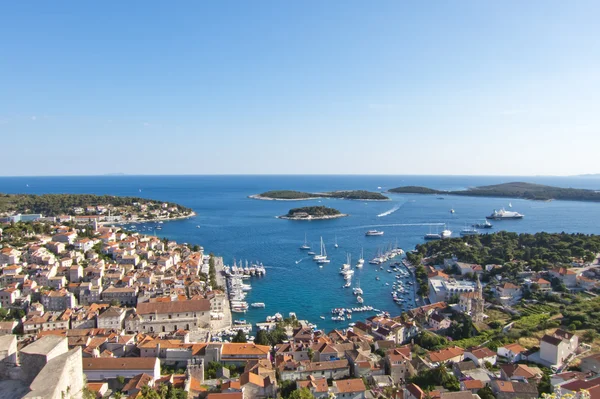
225 322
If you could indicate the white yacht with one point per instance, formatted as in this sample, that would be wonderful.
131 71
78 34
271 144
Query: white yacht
469 231
504 214
446 233
359 299
258 305
348 284
374 233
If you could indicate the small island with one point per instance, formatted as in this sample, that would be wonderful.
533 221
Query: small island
522 190
88 208
312 213
291 195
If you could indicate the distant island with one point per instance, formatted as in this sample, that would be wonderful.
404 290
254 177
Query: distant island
291 195
523 190
88 208
312 213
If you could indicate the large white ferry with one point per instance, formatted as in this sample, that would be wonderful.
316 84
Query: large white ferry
504 214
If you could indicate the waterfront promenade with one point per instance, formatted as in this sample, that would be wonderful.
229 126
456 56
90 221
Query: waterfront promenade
226 322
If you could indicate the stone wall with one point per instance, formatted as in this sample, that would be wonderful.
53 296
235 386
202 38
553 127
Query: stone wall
34 357
62 378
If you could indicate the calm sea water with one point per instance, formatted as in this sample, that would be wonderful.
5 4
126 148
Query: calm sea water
234 226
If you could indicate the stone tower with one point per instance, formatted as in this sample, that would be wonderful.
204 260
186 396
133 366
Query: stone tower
478 304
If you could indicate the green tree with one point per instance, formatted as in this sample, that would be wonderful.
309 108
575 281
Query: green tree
286 388
240 337
149 393
262 338
303 393
486 393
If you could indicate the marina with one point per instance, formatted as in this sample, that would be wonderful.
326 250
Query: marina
236 227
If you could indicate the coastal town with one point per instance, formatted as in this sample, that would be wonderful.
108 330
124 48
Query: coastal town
91 310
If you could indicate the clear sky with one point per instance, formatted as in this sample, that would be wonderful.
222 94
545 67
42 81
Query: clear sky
357 87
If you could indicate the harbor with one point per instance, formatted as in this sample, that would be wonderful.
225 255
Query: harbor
233 226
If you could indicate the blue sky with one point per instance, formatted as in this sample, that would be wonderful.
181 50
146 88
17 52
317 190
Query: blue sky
387 87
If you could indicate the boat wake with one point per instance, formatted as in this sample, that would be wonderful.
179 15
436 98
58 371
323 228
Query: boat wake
389 212
394 225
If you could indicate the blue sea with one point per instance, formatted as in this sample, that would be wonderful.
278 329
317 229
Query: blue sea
236 227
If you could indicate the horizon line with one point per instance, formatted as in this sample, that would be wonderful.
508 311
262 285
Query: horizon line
294 174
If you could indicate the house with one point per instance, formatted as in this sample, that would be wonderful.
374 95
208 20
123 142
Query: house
126 296
170 316
544 285
103 368
257 386
453 354
575 387
567 276
8 327
292 370
111 318
509 293
58 300
234 353
352 388
9 256
317 386
512 352
438 321
556 348
398 364
513 390
591 364
136 384
481 356
521 373
413 391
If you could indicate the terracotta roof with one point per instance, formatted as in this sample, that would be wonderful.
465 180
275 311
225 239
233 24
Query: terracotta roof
228 395
473 384
244 349
481 353
521 370
349 386
201 305
318 385
415 390
516 387
137 382
122 363
515 348
446 354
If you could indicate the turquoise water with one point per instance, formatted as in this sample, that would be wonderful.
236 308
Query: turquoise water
234 226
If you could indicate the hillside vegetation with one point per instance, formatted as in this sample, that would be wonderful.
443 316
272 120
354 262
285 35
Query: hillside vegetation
347 194
512 190
315 211
58 204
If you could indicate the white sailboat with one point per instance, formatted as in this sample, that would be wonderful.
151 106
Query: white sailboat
305 246
323 254
361 260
